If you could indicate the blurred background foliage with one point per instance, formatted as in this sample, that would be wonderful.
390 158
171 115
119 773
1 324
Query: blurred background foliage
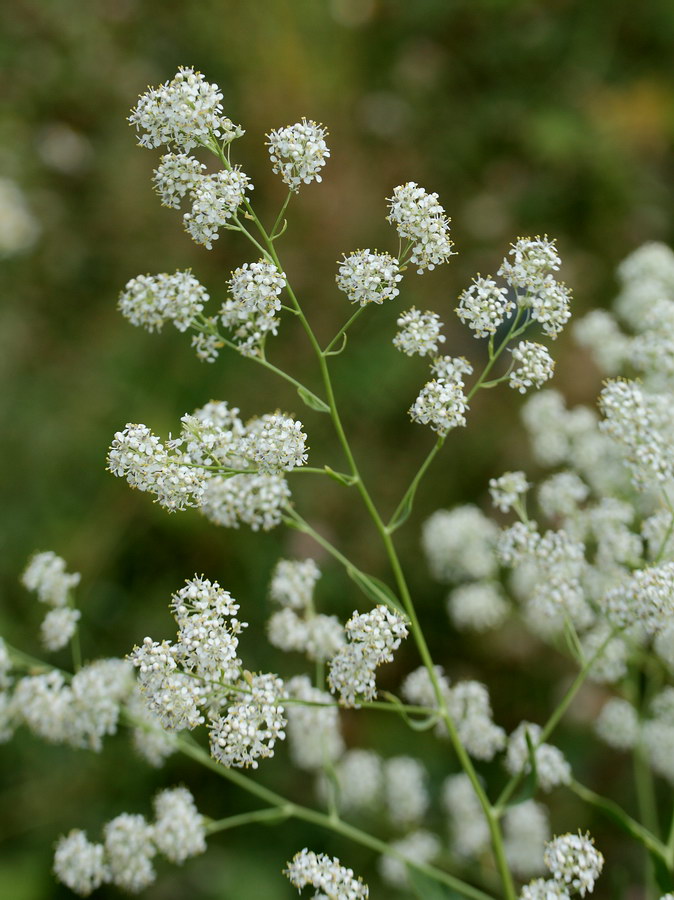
527 117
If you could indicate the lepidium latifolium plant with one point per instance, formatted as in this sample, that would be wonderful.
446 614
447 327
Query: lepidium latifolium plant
584 562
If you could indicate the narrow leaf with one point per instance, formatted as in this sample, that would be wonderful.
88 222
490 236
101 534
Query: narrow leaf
402 514
312 400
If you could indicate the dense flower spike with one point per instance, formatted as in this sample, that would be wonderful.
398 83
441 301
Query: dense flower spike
298 153
150 300
574 861
420 219
419 333
185 112
367 277
327 875
484 306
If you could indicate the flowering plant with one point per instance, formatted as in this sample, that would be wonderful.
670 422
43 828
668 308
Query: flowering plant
598 584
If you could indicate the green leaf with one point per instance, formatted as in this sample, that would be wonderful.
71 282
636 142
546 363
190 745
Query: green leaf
348 480
312 400
402 514
375 589
427 888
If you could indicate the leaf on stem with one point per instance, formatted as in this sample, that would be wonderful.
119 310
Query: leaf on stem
402 513
312 400
375 589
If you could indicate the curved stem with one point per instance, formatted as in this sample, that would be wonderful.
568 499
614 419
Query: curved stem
344 329
322 820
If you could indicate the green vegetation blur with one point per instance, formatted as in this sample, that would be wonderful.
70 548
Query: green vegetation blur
527 117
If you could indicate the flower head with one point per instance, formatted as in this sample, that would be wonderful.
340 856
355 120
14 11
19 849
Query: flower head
298 152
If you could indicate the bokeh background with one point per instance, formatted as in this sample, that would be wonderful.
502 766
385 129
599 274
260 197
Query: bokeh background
527 117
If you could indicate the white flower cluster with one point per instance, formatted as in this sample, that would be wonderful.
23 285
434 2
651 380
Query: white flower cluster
574 861
643 425
130 844
599 333
360 778
478 606
150 300
460 544
250 314
185 112
372 637
484 306
420 847
252 725
552 769
507 490
419 333
468 827
646 276
442 402
420 219
215 200
529 273
314 735
526 829
202 672
46 575
176 177
534 366
181 473
367 277
79 713
618 724
330 878
297 626
646 598
298 152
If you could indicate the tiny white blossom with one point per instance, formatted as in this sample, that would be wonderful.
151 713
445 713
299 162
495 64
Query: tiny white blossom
257 287
419 333
367 277
534 366
326 874
544 889
561 494
314 735
599 333
506 490
468 825
573 860
405 790
293 582
254 500
460 544
298 152
526 829
484 306
274 443
419 217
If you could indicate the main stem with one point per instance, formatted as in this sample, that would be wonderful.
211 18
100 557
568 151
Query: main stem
394 561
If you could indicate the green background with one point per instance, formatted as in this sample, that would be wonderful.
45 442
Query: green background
548 117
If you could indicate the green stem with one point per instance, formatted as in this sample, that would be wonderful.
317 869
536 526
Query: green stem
331 823
273 815
408 497
343 329
273 235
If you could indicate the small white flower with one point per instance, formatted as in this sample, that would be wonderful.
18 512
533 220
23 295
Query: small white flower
440 404
79 864
215 199
58 626
129 850
150 300
176 176
46 575
330 878
179 830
